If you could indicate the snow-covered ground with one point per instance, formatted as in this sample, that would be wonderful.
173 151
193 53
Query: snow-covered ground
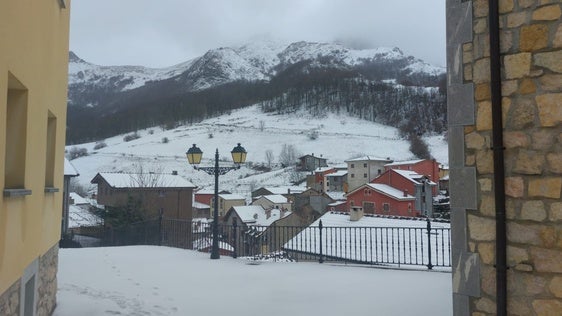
145 280
340 137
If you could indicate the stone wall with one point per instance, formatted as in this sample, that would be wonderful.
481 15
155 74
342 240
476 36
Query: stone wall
46 288
531 55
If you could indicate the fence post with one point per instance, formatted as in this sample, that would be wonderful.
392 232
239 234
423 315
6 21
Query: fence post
429 265
321 260
234 244
160 229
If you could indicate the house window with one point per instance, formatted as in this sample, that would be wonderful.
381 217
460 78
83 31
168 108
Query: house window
386 207
364 165
364 175
16 134
369 207
51 150
352 165
352 203
28 289
409 207
353 175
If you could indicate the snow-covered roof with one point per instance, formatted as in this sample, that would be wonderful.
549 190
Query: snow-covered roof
411 175
230 197
336 203
249 213
406 162
336 195
339 173
78 199
285 189
200 205
390 191
256 215
445 178
276 198
336 219
69 169
323 169
368 158
79 216
145 180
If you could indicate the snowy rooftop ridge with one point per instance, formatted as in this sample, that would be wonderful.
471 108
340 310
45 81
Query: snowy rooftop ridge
405 162
369 158
390 191
144 180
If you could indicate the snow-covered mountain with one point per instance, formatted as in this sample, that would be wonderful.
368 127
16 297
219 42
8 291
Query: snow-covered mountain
382 85
88 83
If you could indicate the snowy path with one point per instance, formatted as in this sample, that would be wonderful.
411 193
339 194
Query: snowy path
145 280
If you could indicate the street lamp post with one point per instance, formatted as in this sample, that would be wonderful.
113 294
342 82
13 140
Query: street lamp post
194 155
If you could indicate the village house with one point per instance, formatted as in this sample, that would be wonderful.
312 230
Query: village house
317 180
427 167
226 201
205 196
363 170
311 162
287 191
69 173
311 204
33 98
273 202
337 181
168 195
376 198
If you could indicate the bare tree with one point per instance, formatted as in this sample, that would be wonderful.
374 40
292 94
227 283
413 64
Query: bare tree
262 125
288 155
269 157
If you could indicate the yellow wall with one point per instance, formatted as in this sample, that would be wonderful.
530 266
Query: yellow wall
34 49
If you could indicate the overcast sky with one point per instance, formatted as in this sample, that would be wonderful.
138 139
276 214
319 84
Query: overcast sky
166 32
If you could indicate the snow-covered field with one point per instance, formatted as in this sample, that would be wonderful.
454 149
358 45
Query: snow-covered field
340 137
145 280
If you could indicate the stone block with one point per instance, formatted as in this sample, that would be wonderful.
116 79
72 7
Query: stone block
514 187
517 65
481 228
516 255
524 234
549 60
533 37
527 86
488 279
534 211
547 260
481 71
526 3
555 213
480 25
480 8
505 6
529 162
547 13
545 187
474 141
506 41
515 139
485 162
509 87
486 250
484 116
461 305
486 305
555 286
550 108
545 307
458 229
517 19
485 184
456 147
482 92
488 206
558 37
518 306
543 139
548 236
554 162
551 82
522 115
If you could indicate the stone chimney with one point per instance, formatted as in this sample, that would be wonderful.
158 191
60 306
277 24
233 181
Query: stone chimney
355 213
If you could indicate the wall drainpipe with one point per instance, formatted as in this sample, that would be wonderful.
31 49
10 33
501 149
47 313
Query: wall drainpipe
498 152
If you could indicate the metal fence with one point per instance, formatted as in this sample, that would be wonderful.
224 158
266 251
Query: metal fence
428 246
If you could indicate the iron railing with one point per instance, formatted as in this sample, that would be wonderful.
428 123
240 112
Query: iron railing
428 245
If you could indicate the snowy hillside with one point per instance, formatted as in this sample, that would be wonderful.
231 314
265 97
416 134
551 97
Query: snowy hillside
339 137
